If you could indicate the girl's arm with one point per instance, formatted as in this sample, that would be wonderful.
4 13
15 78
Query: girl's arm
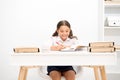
57 48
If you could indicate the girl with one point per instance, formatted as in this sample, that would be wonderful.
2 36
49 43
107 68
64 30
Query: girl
62 38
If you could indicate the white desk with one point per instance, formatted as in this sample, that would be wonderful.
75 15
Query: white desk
63 58
98 60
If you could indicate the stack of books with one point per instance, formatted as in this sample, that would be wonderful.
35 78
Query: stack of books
26 50
101 47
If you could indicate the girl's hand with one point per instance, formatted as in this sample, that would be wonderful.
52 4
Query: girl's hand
57 48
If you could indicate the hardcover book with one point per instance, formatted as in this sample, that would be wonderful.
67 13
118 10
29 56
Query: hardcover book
101 44
26 50
102 49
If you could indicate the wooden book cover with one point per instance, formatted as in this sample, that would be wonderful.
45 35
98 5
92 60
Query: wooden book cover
117 47
101 44
26 50
104 49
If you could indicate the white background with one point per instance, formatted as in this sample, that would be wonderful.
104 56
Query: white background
25 23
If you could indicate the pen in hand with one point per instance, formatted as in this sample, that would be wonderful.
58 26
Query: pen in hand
61 46
58 43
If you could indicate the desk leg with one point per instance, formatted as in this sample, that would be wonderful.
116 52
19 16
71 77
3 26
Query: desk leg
23 73
103 73
96 73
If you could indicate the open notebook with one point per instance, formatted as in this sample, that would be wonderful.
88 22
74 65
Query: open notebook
75 48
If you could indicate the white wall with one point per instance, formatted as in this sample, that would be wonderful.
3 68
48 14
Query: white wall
30 22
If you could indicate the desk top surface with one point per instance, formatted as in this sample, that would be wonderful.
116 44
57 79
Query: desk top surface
63 58
65 53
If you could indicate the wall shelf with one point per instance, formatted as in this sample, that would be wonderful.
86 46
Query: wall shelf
112 33
107 27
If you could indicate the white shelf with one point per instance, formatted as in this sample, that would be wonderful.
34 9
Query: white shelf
107 27
112 33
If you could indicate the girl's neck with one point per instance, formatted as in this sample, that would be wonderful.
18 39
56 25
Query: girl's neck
64 39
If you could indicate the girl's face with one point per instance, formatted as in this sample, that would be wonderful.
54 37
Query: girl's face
63 32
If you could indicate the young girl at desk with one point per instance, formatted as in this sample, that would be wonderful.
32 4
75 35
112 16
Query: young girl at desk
62 38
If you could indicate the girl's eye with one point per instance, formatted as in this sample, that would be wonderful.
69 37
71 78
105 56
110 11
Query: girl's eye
62 31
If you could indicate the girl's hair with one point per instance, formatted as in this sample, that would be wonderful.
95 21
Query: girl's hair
63 23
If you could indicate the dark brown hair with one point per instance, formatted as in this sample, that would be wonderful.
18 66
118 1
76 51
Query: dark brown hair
63 23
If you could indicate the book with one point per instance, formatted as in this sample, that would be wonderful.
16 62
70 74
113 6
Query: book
117 47
102 49
101 44
26 50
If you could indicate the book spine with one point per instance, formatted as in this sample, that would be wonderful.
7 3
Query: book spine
109 49
117 47
101 44
26 50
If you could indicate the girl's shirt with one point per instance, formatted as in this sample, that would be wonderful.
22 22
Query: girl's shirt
54 41
68 42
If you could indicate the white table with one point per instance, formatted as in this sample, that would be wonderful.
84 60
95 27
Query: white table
96 60
63 58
